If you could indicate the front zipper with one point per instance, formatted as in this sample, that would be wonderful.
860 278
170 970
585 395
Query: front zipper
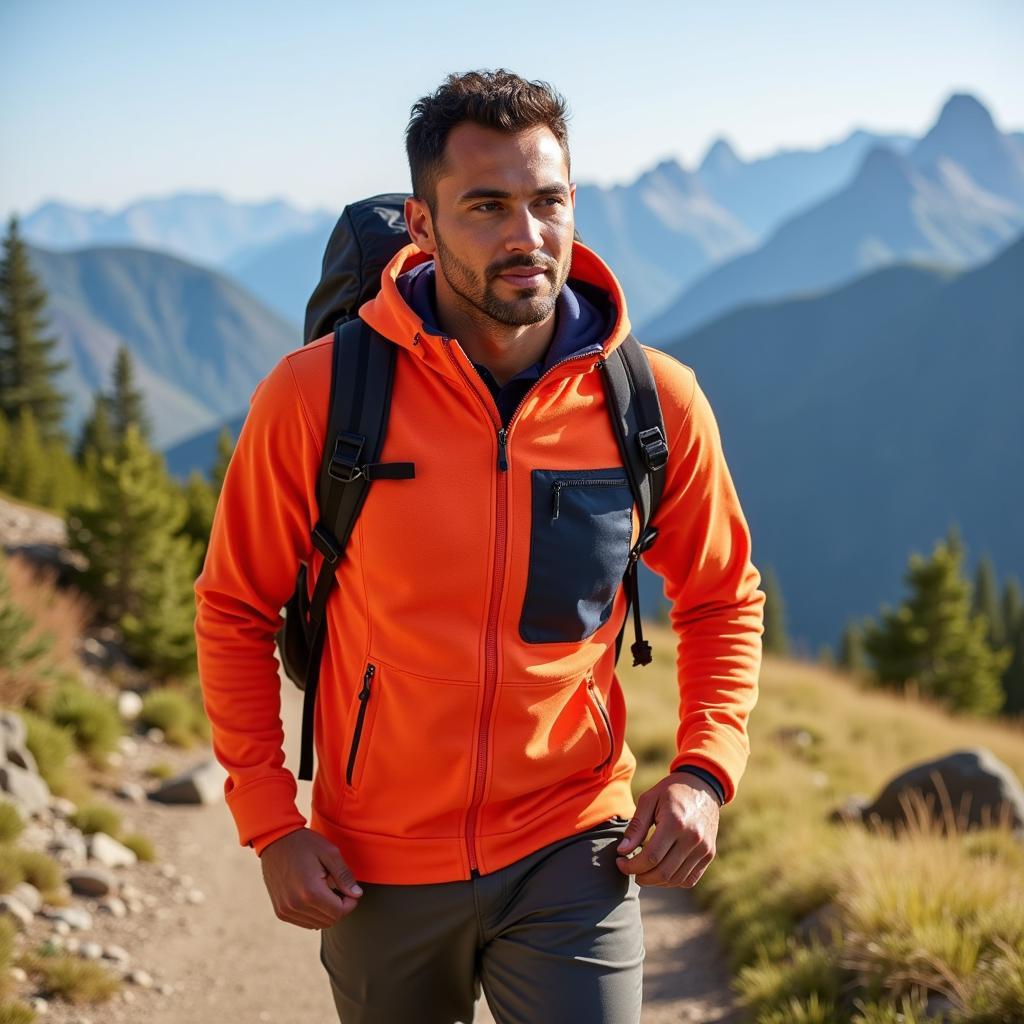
498 575
580 481
364 702
592 686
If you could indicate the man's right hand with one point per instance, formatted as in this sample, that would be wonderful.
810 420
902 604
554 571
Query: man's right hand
301 871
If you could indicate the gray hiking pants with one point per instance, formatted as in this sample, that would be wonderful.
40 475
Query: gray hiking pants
553 938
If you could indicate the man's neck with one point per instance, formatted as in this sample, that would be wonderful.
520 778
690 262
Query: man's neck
504 350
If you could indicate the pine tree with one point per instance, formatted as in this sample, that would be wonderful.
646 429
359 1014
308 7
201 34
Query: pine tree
852 656
140 567
25 471
986 601
27 366
775 639
200 502
1013 617
932 643
126 403
97 434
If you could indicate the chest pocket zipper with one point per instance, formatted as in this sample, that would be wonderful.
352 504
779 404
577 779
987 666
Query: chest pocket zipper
357 732
596 698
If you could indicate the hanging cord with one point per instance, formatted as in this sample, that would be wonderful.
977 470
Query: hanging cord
640 647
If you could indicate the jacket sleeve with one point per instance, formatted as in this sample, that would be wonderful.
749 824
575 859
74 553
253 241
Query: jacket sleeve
261 532
703 551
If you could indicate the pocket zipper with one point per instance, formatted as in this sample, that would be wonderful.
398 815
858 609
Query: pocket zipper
364 701
581 481
591 685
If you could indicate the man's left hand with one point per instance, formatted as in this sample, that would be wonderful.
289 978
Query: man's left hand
684 812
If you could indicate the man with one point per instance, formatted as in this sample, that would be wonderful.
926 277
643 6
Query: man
472 770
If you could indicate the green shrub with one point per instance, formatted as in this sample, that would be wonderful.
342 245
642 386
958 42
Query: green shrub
10 822
142 846
160 770
93 720
51 745
11 872
16 1013
41 870
96 817
8 931
68 977
171 710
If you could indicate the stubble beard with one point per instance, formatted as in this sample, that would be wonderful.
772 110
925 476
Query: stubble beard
481 297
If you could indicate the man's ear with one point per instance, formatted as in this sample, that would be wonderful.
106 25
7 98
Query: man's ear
420 224
572 193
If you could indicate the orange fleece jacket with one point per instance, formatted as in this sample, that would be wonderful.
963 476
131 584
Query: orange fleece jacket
469 711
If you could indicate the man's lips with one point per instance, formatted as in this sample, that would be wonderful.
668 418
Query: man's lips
524 276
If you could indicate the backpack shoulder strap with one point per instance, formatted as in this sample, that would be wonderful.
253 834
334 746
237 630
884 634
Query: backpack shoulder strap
635 411
362 374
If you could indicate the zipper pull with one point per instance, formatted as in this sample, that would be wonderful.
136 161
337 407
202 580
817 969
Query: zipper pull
365 691
556 487
502 454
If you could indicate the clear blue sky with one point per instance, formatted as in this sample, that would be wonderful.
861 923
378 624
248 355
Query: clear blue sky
103 102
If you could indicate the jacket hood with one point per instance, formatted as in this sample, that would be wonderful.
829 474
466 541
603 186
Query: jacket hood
390 314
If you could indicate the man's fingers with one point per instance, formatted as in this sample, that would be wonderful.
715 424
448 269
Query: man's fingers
638 827
339 873
654 852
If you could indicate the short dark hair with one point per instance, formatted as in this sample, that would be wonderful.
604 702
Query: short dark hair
496 99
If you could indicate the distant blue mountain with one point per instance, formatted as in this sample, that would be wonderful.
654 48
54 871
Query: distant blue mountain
201 343
861 422
925 205
200 227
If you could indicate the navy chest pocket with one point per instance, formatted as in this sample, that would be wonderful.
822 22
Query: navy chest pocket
582 523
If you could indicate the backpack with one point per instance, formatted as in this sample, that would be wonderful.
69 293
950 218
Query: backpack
368 233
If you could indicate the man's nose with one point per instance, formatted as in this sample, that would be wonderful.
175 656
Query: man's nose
523 232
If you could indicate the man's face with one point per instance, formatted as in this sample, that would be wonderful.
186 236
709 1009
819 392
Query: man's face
503 225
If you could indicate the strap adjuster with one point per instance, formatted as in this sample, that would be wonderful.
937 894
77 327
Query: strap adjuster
325 543
344 464
652 444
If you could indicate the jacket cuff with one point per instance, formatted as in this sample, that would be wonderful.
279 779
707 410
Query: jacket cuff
710 778
265 810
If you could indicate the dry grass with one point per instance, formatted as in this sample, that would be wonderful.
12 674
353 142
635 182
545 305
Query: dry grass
912 913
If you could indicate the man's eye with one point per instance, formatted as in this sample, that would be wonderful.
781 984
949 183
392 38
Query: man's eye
557 200
484 206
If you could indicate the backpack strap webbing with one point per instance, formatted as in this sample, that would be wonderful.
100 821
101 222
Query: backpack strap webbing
362 373
635 411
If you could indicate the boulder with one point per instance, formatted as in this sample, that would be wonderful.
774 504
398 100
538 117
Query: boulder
970 786
12 907
201 784
28 896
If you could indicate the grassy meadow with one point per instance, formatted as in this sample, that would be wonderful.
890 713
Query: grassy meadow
832 922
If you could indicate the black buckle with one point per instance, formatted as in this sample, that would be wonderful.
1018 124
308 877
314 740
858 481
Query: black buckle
344 465
652 444
326 544
647 538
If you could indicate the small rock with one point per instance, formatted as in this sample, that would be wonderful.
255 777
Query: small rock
201 784
70 845
134 792
166 989
16 910
75 917
168 870
109 852
141 978
129 705
135 906
115 759
127 996
73 944
62 806
118 953
196 896
22 757
155 735
39 1004
130 892
61 928
18 974
28 895
115 906
24 787
91 881
91 950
